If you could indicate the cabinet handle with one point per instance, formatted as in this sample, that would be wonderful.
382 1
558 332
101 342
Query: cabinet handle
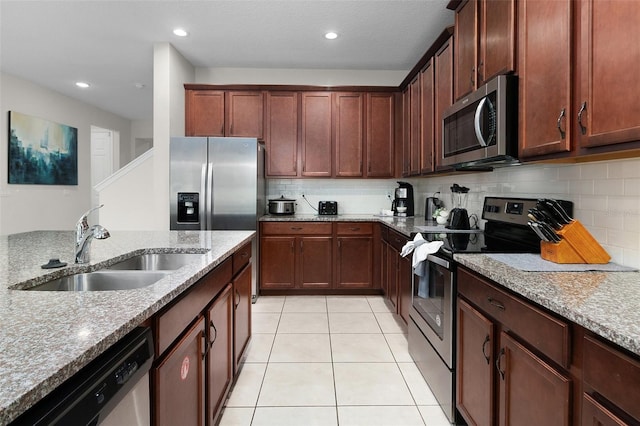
473 70
301 246
215 333
484 345
480 67
583 108
239 298
222 130
496 303
231 129
292 247
355 228
205 345
559 123
369 167
244 254
502 353
296 228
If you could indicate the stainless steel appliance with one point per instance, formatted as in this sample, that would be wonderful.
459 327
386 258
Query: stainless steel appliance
217 184
402 204
283 206
432 325
111 390
458 217
431 204
480 130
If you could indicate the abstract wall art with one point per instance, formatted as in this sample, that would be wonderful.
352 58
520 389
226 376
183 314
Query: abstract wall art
41 152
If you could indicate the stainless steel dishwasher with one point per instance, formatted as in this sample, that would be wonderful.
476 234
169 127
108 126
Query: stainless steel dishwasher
111 390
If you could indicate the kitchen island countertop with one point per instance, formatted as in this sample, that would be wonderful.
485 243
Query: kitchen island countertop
47 336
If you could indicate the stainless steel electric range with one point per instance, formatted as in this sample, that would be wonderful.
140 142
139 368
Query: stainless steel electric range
432 328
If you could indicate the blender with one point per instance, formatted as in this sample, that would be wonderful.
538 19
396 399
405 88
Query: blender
458 216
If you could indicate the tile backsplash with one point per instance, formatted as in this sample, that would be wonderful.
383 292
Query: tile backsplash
606 196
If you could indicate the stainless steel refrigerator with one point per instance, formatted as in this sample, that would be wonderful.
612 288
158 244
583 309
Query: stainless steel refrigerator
218 184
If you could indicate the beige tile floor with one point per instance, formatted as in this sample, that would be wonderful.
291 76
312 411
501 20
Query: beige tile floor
328 361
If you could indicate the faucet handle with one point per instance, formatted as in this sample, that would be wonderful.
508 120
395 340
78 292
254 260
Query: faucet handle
82 222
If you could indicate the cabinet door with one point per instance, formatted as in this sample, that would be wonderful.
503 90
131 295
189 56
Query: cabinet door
427 104
544 67
393 258
414 126
281 139
277 262
348 123
220 355
354 262
384 278
204 112
444 94
316 134
405 287
315 262
596 414
466 48
241 314
179 380
406 147
380 134
497 39
475 390
244 114
608 110
532 392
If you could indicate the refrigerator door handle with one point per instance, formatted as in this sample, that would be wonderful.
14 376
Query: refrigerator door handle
209 197
203 197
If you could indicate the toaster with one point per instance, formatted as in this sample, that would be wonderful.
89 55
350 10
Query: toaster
328 207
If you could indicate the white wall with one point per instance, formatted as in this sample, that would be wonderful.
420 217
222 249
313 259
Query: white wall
141 130
31 207
606 196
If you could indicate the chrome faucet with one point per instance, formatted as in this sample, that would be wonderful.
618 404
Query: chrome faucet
85 234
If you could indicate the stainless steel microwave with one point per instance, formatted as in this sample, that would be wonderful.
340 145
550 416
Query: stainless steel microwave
481 129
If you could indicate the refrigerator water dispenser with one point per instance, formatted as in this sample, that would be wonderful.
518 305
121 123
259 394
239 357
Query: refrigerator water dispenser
188 207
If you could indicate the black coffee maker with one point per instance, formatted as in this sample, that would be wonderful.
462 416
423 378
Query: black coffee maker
402 204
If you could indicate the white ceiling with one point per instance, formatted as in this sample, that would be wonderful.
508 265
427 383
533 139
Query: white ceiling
110 43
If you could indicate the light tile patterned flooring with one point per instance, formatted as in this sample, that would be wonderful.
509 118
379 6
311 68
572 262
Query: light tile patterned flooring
327 361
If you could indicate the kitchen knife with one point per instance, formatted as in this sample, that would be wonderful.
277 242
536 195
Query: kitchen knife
549 232
549 216
534 226
560 211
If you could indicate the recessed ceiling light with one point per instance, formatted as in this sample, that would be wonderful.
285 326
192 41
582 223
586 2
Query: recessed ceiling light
331 36
180 32
82 84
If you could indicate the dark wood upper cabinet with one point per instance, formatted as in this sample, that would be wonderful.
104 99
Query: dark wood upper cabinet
443 67
380 134
348 124
484 42
406 147
316 134
244 114
544 33
607 110
281 138
415 117
427 128
204 111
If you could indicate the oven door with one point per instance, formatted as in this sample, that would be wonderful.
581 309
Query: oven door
432 306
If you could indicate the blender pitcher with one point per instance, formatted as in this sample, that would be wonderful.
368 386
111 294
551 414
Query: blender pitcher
458 217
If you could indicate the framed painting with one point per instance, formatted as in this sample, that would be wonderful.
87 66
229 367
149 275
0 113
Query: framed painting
41 152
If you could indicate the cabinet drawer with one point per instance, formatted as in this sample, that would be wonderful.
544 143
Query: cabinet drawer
384 232
544 332
397 240
354 228
241 258
170 323
612 374
296 228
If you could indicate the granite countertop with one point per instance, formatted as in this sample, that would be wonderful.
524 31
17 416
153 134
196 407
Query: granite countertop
606 303
47 336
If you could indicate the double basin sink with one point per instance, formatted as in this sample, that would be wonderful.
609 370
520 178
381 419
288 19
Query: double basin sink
135 272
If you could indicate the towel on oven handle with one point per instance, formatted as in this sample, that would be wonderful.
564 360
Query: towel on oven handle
421 249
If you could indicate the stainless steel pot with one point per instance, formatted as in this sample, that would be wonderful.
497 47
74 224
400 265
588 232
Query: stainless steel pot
283 206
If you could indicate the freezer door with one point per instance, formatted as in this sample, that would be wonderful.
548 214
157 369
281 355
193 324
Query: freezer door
187 173
234 182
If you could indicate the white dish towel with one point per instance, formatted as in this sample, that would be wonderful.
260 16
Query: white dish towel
421 249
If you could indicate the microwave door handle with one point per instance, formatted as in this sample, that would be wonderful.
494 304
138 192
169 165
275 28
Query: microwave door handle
476 122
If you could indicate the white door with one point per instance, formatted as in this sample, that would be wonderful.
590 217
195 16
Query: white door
103 142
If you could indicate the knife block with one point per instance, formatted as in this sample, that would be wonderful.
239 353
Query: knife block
577 246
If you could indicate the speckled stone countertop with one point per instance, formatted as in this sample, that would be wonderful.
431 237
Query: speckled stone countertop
606 303
47 336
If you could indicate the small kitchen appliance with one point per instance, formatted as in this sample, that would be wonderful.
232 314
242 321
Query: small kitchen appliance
431 205
458 217
282 206
327 207
402 204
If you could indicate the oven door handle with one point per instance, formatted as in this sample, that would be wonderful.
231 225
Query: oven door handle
439 261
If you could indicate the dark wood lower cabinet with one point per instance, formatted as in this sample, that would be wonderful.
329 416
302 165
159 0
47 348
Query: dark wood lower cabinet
241 314
354 262
179 380
219 356
315 262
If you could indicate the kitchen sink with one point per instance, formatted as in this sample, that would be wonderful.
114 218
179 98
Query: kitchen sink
157 261
102 280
